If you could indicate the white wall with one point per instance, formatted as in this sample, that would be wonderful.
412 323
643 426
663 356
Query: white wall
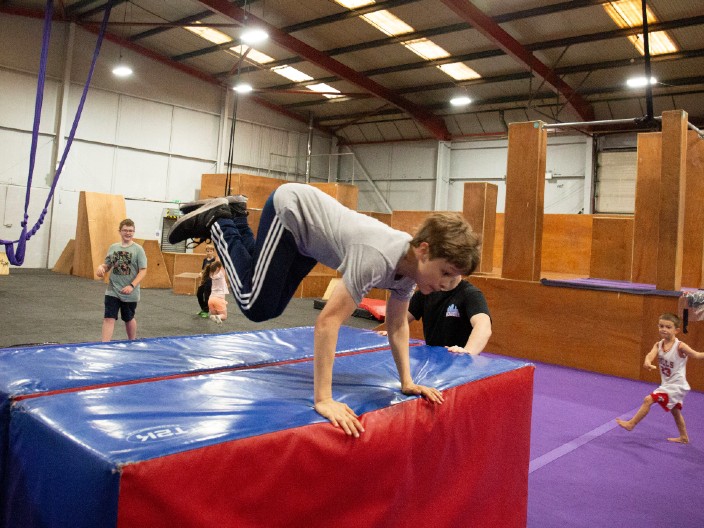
149 137
406 173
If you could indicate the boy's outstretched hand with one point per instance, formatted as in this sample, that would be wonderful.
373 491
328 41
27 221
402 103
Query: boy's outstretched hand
340 415
429 393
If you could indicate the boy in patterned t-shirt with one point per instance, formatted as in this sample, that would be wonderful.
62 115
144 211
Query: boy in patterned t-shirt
129 266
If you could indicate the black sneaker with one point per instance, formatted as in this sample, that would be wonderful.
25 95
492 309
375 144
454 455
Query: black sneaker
237 203
196 224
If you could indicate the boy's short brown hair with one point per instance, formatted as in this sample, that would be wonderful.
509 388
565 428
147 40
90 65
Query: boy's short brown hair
672 318
126 222
449 236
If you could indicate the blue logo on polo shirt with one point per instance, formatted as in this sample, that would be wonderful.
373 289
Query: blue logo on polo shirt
452 311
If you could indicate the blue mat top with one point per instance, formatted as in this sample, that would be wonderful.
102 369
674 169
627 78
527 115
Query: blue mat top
33 370
130 423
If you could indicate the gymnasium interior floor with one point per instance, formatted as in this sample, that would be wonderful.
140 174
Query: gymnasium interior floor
585 471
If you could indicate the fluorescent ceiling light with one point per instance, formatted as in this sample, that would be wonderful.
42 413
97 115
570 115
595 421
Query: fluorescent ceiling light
254 36
460 100
122 70
292 73
629 14
252 55
322 87
243 88
387 23
459 71
210 34
637 82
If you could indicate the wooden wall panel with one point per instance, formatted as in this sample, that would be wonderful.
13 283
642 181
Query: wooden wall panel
693 236
99 217
525 188
604 332
612 248
409 221
384 218
672 198
479 208
645 218
566 243
256 188
345 193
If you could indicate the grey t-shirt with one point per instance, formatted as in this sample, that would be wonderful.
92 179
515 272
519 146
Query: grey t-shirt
125 263
360 247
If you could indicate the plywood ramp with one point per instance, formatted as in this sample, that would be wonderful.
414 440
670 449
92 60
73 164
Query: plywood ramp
157 274
65 262
99 217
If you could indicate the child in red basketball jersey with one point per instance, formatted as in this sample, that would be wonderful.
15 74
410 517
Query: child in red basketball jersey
672 357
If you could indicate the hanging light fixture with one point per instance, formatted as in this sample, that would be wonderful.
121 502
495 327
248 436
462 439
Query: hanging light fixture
460 100
243 88
253 36
122 69
639 82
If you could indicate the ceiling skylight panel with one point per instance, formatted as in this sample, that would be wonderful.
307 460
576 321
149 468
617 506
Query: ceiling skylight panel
252 55
426 48
629 14
210 34
292 74
322 88
659 42
459 71
354 4
388 23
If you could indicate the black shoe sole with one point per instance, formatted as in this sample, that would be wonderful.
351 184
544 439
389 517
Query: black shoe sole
196 224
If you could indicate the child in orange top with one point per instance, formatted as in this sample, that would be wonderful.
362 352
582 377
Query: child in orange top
672 357
217 305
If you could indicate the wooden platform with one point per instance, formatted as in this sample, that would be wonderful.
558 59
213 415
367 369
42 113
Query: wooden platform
598 331
186 283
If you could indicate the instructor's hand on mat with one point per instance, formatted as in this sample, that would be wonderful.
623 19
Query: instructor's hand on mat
429 393
340 415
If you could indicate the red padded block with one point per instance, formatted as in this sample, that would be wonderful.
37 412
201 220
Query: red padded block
464 463
376 307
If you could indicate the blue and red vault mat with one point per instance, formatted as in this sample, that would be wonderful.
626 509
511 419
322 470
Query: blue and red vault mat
139 443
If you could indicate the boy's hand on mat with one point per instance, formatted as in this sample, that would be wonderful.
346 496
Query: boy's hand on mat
429 393
340 415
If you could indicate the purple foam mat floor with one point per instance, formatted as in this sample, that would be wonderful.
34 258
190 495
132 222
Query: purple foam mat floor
586 471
